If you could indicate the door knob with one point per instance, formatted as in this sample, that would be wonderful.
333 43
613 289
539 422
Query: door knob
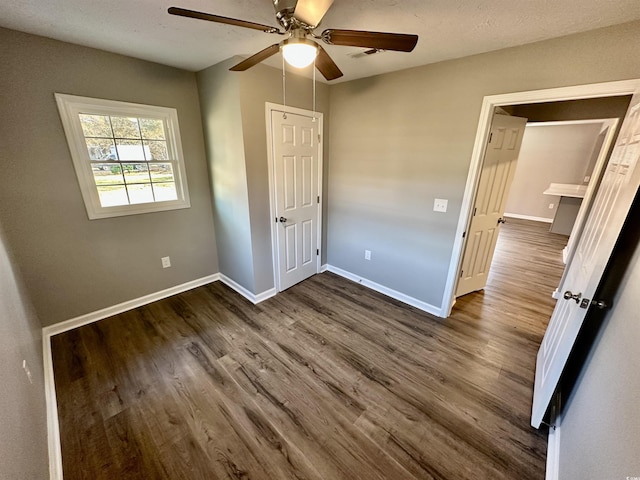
570 296
282 220
502 220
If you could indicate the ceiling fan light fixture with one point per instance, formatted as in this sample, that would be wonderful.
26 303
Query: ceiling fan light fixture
299 52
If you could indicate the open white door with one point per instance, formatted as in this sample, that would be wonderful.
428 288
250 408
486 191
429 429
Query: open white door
497 174
296 171
611 205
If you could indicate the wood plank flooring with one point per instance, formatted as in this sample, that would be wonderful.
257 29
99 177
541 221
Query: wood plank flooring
327 380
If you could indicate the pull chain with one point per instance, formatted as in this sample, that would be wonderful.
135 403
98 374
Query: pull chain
314 90
284 90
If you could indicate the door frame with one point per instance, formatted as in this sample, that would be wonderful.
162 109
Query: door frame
577 92
269 109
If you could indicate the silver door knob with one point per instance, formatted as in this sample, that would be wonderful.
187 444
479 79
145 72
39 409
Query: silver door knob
282 220
570 296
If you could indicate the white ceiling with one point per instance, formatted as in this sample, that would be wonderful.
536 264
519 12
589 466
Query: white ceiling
447 28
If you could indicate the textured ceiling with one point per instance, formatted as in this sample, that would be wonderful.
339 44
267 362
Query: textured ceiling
447 28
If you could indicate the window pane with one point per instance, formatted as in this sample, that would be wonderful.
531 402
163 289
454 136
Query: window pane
107 174
152 129
165 192
125 127
158 149
136 173
131 150
140 193
161 172
113 196
95 125
101 149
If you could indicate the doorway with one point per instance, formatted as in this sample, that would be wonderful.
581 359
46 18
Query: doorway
489 106
295 182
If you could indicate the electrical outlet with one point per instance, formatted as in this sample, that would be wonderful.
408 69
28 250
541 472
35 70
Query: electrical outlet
440 205
587 178
551 205
27 371
166 262
367 254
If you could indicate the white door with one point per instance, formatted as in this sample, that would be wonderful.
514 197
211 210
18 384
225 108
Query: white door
610 207
497 173
296 165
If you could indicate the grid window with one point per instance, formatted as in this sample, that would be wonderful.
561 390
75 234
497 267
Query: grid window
127 156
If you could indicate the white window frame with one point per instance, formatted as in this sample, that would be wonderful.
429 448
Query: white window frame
71 106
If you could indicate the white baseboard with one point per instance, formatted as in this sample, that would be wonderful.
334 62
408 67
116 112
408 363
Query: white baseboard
414 302
323 268
252 297
529 217
125 306
553 451
53 427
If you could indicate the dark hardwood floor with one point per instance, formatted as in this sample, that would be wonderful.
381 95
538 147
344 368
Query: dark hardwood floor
327 380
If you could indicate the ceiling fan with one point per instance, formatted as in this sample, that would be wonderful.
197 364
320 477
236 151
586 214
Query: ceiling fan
299 19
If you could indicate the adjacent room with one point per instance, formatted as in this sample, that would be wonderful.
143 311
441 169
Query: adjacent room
410 255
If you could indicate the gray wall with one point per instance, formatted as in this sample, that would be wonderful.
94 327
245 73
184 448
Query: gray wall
233 113
23 425
259 85
402 139
71 265
600 428
549 154
222 121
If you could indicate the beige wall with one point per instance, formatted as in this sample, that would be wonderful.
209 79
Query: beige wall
402 139
71 265
549 154
23 425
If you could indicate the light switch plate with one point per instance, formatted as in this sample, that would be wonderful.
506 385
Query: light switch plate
440 205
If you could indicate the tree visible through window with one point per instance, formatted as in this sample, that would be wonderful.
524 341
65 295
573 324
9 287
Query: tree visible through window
130 159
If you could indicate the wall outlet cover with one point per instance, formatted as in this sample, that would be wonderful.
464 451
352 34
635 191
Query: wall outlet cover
440 205
166 262
367 254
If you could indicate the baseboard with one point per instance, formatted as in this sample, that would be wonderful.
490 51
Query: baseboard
323 268
53 427
553 451
126 306
252 297
414 302
529 217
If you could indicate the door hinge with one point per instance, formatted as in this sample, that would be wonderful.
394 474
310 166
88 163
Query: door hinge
474 211
319 139
318 198
461 272
490 137
464 234
317 251
276 219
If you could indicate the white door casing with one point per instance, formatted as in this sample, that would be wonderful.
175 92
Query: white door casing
489 104
611 205
295 171
497 174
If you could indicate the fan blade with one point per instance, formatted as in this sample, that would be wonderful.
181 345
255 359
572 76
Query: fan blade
400 42
183 12
311 11
326 66
257 58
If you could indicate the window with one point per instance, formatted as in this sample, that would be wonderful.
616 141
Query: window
128 157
